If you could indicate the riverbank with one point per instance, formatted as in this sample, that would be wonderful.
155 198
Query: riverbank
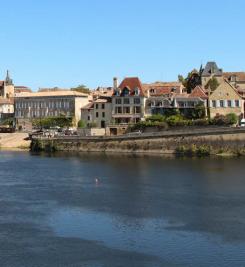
190 142
14 141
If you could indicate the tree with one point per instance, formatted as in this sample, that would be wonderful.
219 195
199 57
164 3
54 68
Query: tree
199 112
81 89
192 80
212 84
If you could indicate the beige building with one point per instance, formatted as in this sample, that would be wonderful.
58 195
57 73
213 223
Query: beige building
237 79
128 101
225 100
97 113
50 104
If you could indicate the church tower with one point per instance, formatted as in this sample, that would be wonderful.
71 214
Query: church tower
8 87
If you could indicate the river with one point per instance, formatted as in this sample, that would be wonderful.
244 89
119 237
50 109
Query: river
120 210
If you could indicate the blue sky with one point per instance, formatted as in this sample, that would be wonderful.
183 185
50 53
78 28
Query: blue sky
65 43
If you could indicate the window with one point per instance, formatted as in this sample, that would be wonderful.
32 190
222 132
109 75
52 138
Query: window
137 101
125 91
229 103
97 114
137 110
118 110
103 106
126 101
97 106
214 103
118 101
136 91
88 118
221 102
126 110
237 104
103 114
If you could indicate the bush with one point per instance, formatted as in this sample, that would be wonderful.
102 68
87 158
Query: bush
52 122
232 118
222 120
81 124
156 117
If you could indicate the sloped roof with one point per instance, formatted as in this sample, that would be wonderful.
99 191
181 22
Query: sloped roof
132 83
162 88
51 93
198 91
89 106
240 76
212 68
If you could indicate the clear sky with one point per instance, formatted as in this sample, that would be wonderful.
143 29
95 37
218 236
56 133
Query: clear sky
64 43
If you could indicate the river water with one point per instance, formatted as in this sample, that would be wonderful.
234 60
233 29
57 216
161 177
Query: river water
120 210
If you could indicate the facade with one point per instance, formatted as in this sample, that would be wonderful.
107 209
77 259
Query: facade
97 113
225 99
128 101
50 104
183 102
237 79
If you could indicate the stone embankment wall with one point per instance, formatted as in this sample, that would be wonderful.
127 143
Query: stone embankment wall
206 141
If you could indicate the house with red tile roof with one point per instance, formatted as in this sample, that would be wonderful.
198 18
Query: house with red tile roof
128 101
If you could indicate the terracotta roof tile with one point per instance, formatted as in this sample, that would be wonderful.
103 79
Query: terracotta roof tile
132 83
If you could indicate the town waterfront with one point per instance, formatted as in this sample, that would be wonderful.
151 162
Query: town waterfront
120 210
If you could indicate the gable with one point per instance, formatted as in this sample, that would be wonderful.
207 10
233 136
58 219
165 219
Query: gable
225 91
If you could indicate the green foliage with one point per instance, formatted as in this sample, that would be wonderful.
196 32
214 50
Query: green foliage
160 125
156 117
212 84
8 122
52 122
193 150
198 112
191 81
81 124
232 118
81 89
221 120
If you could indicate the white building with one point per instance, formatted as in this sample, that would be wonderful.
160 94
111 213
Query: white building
50 104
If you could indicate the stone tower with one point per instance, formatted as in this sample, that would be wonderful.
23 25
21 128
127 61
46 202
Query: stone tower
8 87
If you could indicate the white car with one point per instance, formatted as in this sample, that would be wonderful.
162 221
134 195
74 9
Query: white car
242 123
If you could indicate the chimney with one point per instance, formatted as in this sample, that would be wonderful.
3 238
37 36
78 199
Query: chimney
148 93
115 85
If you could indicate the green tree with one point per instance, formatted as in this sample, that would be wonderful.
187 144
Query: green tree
198 112
212 84
191 81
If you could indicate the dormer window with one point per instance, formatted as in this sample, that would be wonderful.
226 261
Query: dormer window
136 91
152 91
233 78
173 89
125 91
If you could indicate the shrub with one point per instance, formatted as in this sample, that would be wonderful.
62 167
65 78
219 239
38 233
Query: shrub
81 124
222 120
232 118
156 117
52 122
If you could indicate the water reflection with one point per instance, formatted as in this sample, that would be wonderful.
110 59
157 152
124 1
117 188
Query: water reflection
159 211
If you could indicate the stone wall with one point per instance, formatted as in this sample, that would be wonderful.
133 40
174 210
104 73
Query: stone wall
215 142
